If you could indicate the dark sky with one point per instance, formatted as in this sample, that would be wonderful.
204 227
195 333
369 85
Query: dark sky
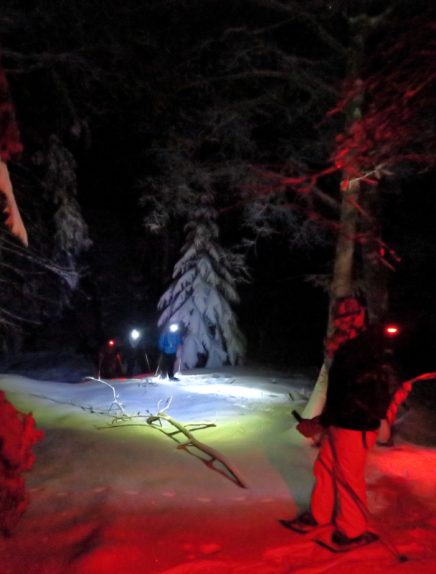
124 81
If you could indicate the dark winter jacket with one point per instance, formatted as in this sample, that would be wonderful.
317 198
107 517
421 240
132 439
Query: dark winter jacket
168 343
362 379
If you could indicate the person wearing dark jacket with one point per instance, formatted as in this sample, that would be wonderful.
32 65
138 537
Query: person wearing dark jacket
362 378
109 361
134 354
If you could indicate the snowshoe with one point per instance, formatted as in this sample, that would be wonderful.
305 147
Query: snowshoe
341 543
302 524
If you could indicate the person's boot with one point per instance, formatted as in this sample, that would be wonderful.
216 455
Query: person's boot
305 522
344 542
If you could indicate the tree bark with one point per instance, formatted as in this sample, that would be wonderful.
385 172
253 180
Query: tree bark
13 221
341 286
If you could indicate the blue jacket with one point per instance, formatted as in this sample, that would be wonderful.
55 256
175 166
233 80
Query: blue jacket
168 343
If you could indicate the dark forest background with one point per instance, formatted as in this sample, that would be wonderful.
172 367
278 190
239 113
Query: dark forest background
119 103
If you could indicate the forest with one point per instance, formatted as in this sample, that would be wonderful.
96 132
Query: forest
236 166
251 183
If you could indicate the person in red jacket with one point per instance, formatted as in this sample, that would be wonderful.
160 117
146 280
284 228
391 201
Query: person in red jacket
362 377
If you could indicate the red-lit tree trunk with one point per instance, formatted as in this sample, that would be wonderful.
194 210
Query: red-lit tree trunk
342 282
9 146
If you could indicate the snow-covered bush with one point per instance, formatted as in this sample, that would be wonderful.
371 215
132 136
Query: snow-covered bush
17 436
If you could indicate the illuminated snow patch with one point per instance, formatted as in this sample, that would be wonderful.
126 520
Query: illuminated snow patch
228 390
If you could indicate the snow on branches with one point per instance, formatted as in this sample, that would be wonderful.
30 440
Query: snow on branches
398 98
71 230
202 293
385 112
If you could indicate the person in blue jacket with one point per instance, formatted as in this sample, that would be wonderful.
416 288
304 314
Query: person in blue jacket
169 341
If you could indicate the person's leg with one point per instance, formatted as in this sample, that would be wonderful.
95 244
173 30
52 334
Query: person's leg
350 449
141 362
164 365
130 364
322 502
171 361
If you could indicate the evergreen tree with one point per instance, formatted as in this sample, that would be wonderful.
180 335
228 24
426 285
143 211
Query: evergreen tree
71 231
45 274
202 293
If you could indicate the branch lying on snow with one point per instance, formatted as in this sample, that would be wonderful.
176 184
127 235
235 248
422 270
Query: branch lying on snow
193 442
155 421
115 403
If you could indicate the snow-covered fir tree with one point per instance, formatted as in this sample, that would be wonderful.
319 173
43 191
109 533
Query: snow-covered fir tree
71 231
202 293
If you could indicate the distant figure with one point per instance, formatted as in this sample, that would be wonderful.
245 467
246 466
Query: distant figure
362 378
134 354
169 341
109 361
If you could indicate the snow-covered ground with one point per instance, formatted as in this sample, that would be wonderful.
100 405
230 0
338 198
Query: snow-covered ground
122 498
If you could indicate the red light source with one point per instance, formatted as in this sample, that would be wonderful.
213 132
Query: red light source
391 330
111 343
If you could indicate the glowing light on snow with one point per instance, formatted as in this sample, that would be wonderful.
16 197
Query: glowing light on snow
174 327
135 334
227 390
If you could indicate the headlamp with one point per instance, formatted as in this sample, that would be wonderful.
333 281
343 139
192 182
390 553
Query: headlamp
135 334
391 330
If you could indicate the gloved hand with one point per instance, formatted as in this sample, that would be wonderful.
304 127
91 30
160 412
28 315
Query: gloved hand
310 427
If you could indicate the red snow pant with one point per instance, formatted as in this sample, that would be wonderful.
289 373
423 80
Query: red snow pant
339 494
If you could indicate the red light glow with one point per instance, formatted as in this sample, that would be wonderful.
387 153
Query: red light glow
392 330
111 343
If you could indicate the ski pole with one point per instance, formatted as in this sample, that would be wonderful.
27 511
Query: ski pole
382 538
100 360
158 366
148 362
386 543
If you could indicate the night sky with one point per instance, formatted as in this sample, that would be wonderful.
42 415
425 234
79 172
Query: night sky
243 87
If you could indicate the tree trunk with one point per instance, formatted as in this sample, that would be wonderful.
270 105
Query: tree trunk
341 286
13 220
342 281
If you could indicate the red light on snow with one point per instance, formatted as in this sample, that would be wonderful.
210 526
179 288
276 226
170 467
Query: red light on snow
111 343
391 330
